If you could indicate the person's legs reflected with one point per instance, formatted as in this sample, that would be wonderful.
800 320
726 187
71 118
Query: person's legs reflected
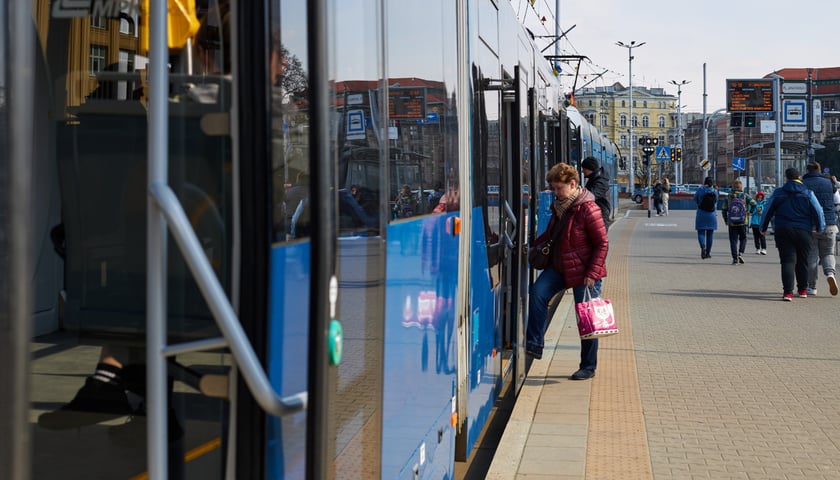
812 264
589 347
547 285
826 244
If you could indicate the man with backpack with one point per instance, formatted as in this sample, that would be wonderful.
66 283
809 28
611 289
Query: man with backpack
736 209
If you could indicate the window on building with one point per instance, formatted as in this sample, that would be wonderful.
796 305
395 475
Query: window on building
662 121
634 140
98 54
127 24
606 103
829 105
645 121
590 103
622 120
832 124
635 120
98 22
591 118
662 140
623 104
634 104
603 120
623 141
644 104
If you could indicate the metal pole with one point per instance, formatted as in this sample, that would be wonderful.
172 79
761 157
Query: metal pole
809 111
630 174
705 124
778 139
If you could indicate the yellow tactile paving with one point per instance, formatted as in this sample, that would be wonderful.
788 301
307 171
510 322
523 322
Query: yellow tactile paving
617 446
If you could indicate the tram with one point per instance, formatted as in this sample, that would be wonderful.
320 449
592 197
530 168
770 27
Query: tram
274 240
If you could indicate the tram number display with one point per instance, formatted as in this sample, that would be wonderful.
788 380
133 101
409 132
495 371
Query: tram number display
749 95
407 103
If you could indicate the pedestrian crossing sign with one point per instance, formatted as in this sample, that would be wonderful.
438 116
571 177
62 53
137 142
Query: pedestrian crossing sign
663 153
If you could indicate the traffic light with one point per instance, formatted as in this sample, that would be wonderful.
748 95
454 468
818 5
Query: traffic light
678 154
673 154
749 119
736 119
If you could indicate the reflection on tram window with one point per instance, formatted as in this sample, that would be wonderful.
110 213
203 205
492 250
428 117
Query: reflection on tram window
290 143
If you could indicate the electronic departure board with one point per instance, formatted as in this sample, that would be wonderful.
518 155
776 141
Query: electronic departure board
749 95
407 102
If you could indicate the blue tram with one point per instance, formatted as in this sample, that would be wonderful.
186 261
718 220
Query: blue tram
268 239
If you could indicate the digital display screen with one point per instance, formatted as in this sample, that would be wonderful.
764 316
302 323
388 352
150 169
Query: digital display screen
749 95
407 103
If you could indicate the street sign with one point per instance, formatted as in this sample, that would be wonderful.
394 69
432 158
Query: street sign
704 164
794 117
355 125
663 153
738 163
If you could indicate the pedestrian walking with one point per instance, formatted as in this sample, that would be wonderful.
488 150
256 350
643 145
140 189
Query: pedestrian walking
822 245
666 195
578 261
597 182
657 198
736 210
705 218
755 224
797 215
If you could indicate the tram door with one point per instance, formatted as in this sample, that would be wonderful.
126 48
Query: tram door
516 199
88 407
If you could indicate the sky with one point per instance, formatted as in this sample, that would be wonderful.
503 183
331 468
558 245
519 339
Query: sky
734 38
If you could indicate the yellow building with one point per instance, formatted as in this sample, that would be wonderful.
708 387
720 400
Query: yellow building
654 115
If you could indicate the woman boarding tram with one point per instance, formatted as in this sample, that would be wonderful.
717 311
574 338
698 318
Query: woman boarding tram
199 293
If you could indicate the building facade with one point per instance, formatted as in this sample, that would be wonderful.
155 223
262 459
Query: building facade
654 115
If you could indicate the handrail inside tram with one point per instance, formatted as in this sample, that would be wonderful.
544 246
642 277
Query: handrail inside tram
223 313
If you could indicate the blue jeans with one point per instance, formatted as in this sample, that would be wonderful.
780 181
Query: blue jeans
705 237
547 285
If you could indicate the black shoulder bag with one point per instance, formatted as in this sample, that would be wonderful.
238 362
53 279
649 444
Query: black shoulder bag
539 256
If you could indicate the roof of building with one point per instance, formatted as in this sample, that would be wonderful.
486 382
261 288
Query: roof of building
825 81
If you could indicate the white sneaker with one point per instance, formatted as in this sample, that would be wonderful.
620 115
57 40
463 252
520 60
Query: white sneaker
758 251
832 284
812 291
764 251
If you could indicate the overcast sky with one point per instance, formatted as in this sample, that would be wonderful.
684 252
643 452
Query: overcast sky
735 38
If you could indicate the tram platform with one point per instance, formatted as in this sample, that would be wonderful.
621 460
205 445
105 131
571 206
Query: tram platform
712 376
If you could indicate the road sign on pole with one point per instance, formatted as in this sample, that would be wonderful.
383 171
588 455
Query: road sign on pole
663 153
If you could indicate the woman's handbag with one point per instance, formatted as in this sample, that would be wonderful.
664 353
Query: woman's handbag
539 256
595 317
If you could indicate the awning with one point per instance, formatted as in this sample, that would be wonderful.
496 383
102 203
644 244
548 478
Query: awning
795 146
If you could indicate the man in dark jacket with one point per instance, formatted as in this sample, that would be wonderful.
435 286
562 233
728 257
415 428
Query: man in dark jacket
798 214
597 182
822 246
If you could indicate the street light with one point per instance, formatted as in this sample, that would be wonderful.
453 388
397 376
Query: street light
630 178
679 124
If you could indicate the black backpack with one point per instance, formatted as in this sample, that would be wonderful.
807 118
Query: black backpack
708 203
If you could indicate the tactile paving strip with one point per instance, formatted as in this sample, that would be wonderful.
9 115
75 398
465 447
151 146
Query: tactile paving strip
617 446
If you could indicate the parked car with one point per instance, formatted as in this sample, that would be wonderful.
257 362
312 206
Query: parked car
639 194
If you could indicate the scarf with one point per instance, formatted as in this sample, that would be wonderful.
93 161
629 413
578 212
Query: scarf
560 206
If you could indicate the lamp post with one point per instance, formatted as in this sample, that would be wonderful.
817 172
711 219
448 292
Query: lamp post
630 46
678 172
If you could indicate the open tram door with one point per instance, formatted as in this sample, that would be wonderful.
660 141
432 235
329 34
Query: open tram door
156 231
515 202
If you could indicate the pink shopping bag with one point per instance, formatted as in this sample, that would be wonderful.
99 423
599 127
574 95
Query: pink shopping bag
595 317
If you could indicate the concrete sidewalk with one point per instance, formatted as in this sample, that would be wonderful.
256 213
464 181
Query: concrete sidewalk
712 375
